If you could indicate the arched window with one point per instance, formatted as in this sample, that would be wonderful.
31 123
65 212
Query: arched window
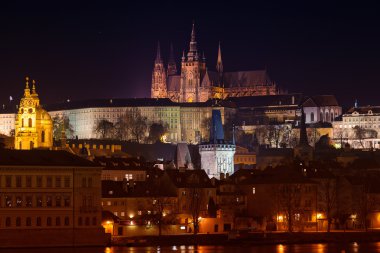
20 145
8 222
312 116
58 221
30 122
321 117
18 222
31 145
22 123
332 116
43 136
327 116
48 221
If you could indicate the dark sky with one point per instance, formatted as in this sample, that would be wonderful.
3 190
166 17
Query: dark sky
105 49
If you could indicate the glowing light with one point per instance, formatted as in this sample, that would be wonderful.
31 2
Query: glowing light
353 216
182 227
131 216
280 218
319 216
199 218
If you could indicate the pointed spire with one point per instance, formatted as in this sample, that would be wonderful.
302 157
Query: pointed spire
219 64
303 134
26 90
193 32
183 55
27 82
172 66
203 56
158 56
193 45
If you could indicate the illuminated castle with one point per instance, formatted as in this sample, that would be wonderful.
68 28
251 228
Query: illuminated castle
196 83
33 126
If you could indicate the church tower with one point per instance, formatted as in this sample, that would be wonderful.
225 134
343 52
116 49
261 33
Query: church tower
34 126
192 71
172 66
159 89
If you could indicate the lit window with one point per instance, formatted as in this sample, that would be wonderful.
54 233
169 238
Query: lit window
122 213
108 203
253 190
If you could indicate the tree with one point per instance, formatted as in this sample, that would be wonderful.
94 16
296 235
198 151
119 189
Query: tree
156 132
328 198
61 123
288 201
105 129
361 134
132 125
195 207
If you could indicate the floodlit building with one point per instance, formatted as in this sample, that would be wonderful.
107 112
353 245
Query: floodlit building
49 198
359 127
196 83
217 155
33 125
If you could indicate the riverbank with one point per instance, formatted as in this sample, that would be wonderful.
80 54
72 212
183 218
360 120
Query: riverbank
248 239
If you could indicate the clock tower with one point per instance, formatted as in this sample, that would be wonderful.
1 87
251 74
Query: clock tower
34 126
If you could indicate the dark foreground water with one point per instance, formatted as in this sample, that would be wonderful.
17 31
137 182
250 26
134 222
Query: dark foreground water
295 248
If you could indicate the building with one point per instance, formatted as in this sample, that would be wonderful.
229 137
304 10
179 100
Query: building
49 198
359 127
184 121
217 155
195 83
33 125
321 108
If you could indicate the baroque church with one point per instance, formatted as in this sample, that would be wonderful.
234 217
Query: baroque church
195 83
33 125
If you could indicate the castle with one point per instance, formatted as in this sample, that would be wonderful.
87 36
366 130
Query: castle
196 83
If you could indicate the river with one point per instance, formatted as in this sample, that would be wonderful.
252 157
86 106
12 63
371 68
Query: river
279 248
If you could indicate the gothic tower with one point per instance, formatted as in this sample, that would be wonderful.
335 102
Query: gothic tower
34 126
192 71
219 66
172 66
159 89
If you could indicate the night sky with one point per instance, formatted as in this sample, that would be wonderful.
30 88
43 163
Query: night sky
106 50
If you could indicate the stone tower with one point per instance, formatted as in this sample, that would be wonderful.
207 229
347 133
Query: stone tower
159 89
192 70
172 66
217 156
34 126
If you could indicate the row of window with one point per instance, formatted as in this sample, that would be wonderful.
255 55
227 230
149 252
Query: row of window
35 201
37 181
48 222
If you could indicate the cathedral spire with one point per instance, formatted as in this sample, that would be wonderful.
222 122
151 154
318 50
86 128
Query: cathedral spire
172 66
193 45
219 64
158 55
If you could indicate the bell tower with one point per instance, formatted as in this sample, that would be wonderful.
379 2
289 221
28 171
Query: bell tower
192 71
159 89
34 126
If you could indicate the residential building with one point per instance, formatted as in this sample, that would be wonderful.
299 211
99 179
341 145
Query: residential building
49 198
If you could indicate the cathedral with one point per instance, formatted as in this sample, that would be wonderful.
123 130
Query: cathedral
34 126
195 83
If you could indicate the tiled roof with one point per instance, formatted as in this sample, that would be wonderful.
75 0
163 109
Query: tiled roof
364 109
42 158
119 102
246 78
321 100
189 178
272 100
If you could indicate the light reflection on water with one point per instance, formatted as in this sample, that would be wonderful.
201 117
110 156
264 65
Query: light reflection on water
279 248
